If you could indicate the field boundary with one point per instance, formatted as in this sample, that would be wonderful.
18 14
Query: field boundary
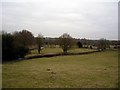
59 54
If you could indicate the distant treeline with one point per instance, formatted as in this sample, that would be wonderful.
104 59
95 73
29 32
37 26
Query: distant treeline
18 44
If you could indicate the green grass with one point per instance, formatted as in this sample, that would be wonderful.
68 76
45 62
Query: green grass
0 76
59 50
77 50
82 71
47 50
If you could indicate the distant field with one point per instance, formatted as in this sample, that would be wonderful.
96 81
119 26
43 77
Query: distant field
97 70
47 50
59 50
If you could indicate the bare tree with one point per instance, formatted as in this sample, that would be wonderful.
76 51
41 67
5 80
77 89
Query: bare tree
39 40
24 37
103 44
66 42
85 43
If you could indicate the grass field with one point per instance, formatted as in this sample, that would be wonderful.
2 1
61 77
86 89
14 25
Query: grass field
0 76
48 50
97 70
59 50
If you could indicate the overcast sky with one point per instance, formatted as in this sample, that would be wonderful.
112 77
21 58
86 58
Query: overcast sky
91 19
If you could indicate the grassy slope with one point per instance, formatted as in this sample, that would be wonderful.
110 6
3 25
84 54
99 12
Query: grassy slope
91 70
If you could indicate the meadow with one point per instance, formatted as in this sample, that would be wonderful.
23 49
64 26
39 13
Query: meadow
48 50
96 70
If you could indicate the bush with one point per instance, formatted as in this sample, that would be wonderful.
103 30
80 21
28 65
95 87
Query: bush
79 44
21 51
7 46
11 50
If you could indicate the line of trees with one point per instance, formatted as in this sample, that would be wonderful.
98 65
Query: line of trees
17 44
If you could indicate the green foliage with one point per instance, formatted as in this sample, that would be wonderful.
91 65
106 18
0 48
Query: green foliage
21 51
10 49
7 46
79 44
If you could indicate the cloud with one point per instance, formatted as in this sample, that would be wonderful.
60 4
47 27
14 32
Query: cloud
52 18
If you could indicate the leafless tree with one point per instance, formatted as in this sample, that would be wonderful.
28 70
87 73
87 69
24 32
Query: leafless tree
24 37
103 44
40 41
66 42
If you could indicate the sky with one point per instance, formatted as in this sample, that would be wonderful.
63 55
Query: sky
91 19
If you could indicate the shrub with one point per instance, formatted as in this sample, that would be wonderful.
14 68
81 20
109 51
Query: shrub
79 44
7 46
11 50
21 51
